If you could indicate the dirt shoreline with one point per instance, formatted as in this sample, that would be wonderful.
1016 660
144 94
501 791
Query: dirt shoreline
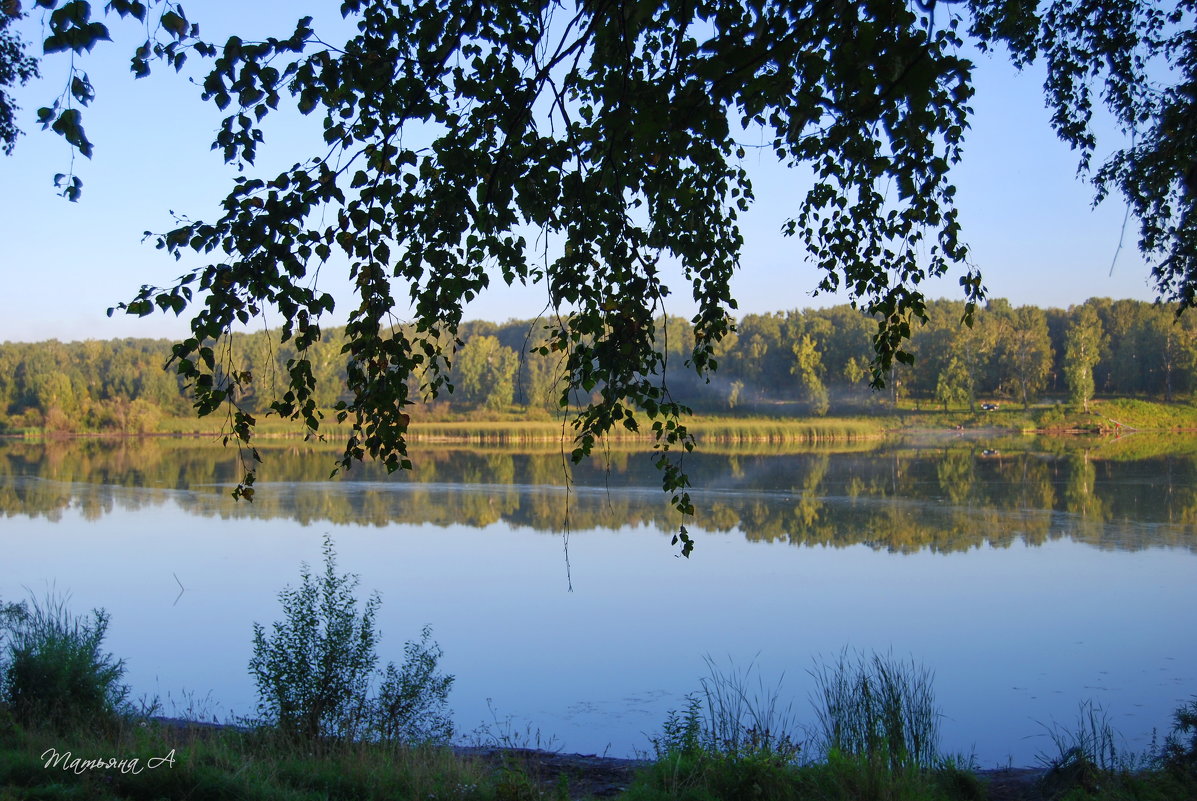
592 776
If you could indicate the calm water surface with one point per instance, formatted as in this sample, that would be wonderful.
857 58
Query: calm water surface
1028 580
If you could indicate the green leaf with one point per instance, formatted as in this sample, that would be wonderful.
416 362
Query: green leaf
55 43
174 23
95 32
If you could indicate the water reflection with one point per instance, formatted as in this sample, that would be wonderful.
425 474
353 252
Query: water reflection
1017 633
950 497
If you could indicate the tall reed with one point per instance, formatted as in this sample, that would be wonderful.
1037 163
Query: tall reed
743 719
879 708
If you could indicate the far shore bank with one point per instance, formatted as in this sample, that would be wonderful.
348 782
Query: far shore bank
1106 417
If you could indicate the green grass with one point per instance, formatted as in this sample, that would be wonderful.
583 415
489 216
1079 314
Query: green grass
1109 415
1146 415
878 741
697 776
519 426
231 764
1088 765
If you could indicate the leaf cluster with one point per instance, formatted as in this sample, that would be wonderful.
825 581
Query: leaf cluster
74 29
1138 60
17 67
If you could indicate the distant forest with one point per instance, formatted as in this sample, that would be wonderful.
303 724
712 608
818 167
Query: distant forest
812 362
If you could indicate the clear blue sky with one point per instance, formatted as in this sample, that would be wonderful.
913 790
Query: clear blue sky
1025 214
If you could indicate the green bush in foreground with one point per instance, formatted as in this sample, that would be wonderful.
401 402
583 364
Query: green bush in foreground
1088 765
1180 749
411 706
315 672
55 672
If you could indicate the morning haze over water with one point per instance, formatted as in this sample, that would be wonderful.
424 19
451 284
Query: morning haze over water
1028 576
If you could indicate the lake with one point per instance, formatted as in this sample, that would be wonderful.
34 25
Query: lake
1030 576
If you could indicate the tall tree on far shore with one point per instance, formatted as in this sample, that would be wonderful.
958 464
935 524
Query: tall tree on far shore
955 386
484 373
1170 352
1026 351
1082 350
808 367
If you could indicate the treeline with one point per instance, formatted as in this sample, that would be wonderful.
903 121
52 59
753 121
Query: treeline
820 357
799 362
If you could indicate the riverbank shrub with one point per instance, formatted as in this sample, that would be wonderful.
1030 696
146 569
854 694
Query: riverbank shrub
55 672
1180 748
313 672
317 669
412 700
1088 764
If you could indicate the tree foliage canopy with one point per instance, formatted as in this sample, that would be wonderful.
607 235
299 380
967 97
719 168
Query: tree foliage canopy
16 68
582 145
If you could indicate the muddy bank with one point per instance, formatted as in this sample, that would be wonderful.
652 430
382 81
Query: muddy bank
591 776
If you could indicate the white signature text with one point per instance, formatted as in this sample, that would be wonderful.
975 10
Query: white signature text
68 761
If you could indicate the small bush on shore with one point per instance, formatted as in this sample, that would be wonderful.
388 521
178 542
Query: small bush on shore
1088 765
317 669
1180 749
412 700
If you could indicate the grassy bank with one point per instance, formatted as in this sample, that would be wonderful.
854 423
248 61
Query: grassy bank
518 425
1105 416
191 762
1144 415
140 759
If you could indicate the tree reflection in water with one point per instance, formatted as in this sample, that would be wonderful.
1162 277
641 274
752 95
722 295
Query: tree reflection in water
894 496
